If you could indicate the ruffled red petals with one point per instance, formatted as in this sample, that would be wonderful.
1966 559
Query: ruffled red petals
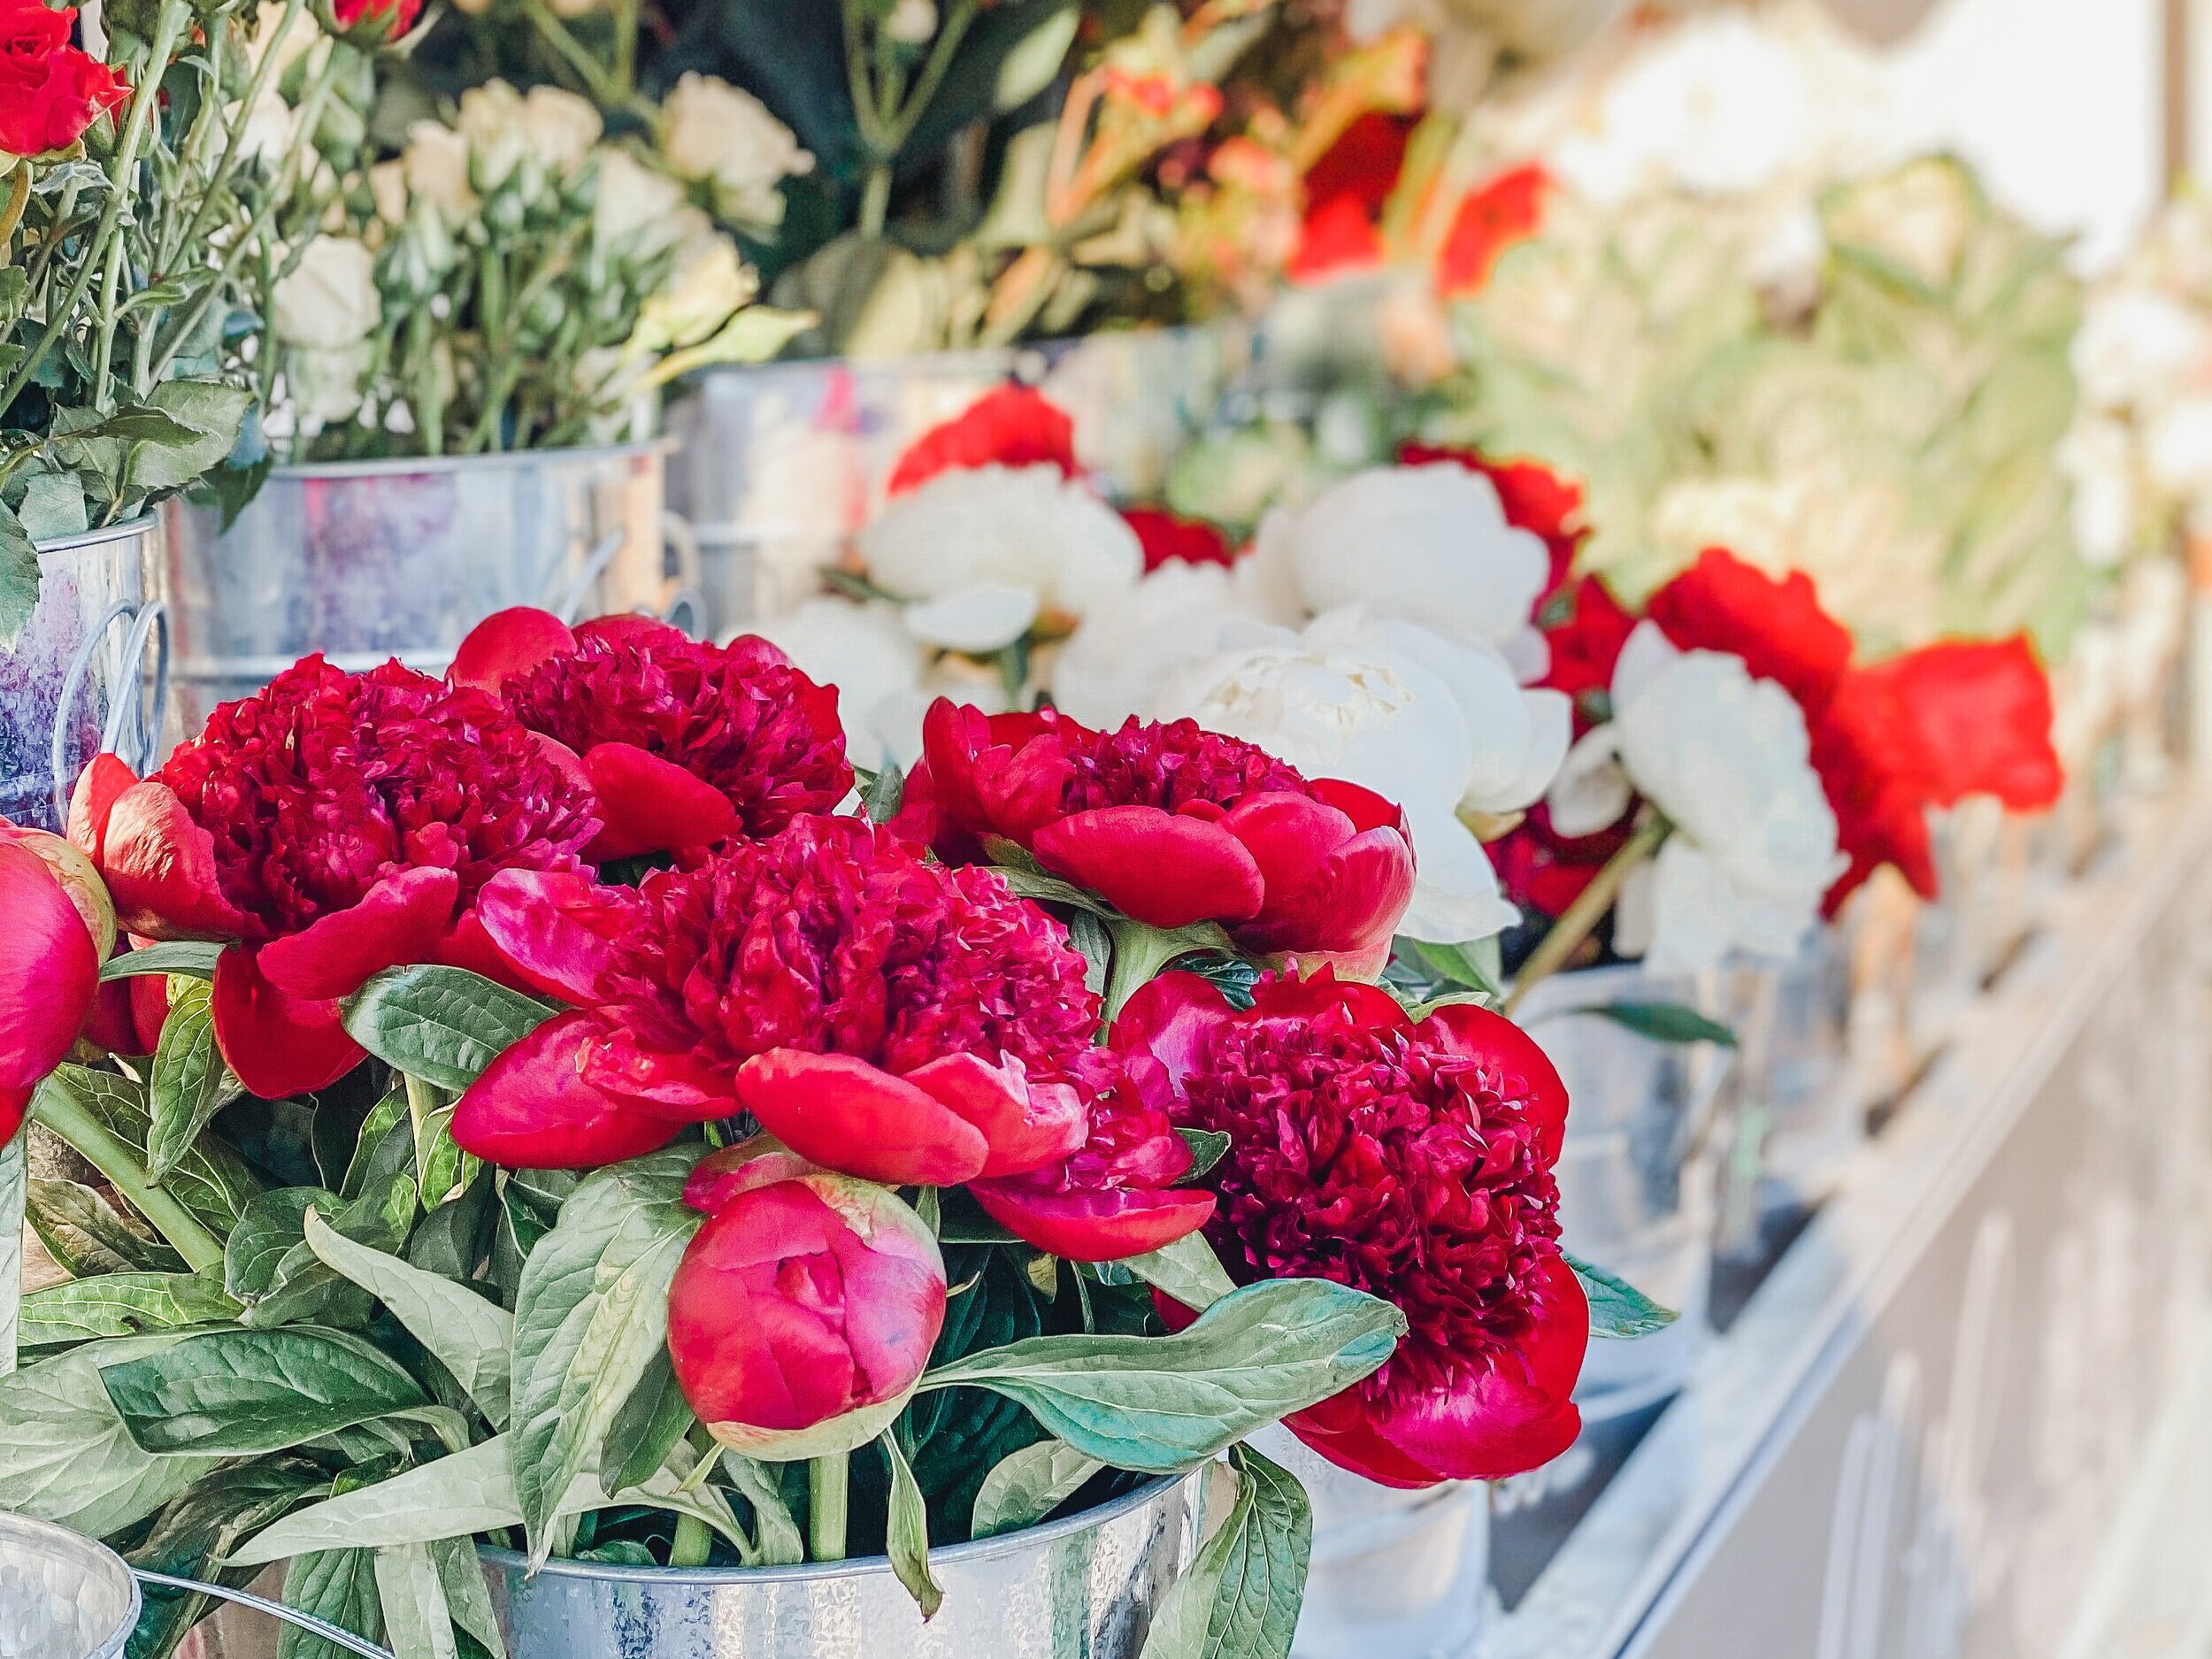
1012 425
50 975
275 1043
845 1114
161 870
533 1110
648 805
510 642
400 919
1775 624
1164 871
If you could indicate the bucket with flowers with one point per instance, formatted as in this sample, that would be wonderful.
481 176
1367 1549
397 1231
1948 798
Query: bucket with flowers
552 1140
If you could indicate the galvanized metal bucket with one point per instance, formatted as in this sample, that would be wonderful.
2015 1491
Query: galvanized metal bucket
89 670
370 560
1638 1174
1087 1585
1801 1112
62 1596
1405 1574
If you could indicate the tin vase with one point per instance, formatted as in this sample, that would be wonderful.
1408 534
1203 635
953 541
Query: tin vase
62 1596
367 560
88 671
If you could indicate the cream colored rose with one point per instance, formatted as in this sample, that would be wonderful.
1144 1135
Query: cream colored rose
560 129
715 134
387 188
708 280
492 123
269 129
329 299
637 208
435 164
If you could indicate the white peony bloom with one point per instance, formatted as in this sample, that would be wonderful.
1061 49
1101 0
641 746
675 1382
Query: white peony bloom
715 134
982 552
2135 347
1375 717
436 166
635 209
1429 544
1725 757
875 663
560 129
1117 662
329 300
2098 458
2177 448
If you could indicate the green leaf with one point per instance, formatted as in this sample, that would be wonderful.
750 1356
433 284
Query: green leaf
191 957
232 1393
273 1227
1033 884
192 1534
65 1455
1025 1487
1240 1597
887 792
206 416
19 578
210 1180
122 1304
652 1421
780 1542
53 507
189 1083
469 1336
1159 1405
441 1025
457 1496
89 1235
1664 1022
15 1166
907 1532
591 1313
467 1597
1618 1308
416 1621
1474 966
339 1588
1186 1270
1208 1148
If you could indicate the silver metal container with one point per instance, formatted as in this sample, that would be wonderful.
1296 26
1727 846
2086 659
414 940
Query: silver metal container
1639 1171
368 560
88 671
1405 1574
62 1596
1085 1588
1801 1108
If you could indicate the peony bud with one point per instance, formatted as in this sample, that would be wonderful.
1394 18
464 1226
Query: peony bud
49 975
803 1314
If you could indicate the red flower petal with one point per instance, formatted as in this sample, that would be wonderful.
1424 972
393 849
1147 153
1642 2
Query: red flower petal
555 929
1322 995
1329 889
277 1044
681 1088
160 870
847 1115
99 787
1095 1227
1169 538
1508 209
1776 625
1025 1124
648 805
404 918
1160 868
1013 426
532 1109
1342 1428
1527 1070
629 628
49 972
507 643
1170 1018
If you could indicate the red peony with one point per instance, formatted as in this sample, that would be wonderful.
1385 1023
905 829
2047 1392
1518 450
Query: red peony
685 744
1413 1161
1171 826
50 973
1775 624
1013 426
333 826
1508 210
1587 641
1346 192
1535 499
49 90
1168 538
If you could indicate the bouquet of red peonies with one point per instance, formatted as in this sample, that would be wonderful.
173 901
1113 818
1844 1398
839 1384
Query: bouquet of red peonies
566 1104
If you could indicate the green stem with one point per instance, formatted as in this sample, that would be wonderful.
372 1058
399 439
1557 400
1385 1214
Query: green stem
224 166
1580 919
606 91
58 1111
1142 954
875 200
168 29
695 1543
12 215
941 51
826 1481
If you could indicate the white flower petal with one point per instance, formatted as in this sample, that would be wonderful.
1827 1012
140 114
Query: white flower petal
985 618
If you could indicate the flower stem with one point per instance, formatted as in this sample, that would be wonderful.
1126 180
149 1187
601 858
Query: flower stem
1580 919
693 1543
14 1180
1142 954
826 1481
58 1111
12 215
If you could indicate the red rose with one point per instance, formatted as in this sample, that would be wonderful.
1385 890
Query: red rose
1013 426
1508 210
685 744
1346 192
1172 826
1169 538
333 826
49 90
374 20
1413 1161
1542 871
808 1303
1587 641
49 975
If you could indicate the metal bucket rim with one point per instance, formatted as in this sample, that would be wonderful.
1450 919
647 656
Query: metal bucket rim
404 465
135 1601
965 358
130 528
859 1566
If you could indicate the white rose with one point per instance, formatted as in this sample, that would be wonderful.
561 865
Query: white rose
2135 346
912 22
713 132
560 129
1429 544
491 121
875 663
387 188
1377 719
323 386
635 208
1725 757
329 300
983 552
436 164
707 281
2177 448
270 125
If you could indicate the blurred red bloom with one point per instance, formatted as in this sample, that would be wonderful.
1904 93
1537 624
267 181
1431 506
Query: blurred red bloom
49 976
1509 209
51 91
1013 426
1412 1161
377 19
1169 538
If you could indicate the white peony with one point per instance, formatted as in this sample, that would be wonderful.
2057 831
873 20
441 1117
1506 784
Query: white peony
875 663
1725 757
715 134
329 300
1376 717
2135 347
981 553
436 166
636 209
1429 544
1116 662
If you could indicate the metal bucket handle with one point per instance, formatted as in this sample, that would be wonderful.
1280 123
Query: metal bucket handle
329 1633
686 607
128 714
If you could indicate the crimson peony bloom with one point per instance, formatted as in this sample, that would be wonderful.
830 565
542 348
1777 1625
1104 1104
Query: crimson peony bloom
1013 426
50 974
1775 624
802 1314
879 1015
685 744
1171 826
1346 192
1412 1161
51 91
1168 538
333 826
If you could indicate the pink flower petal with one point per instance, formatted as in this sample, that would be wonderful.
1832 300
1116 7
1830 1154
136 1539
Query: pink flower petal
847 1115
159 866
649 805
1100 1226
404 918
277 1044
532 1109
507 643
1027 1125
1158 868
554 927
